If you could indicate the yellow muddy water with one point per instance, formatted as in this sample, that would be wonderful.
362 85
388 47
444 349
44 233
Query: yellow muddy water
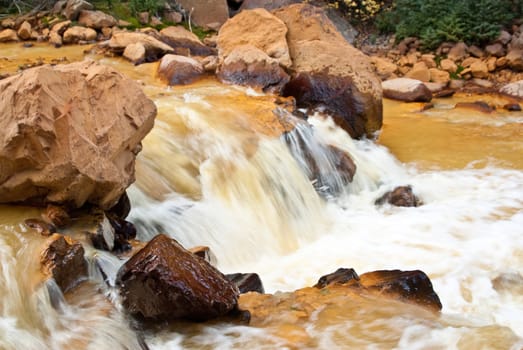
214 172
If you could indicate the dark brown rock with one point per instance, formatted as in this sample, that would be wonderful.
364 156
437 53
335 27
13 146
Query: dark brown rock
401 196
340 276
74 7
444 93
407 286
64 261
407 90
479 106
163 281
56 215
247 282
249 66
204 253
343 163
122 208
42 227
512 107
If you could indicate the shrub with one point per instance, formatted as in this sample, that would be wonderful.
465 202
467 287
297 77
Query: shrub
151 6
358 10
435 21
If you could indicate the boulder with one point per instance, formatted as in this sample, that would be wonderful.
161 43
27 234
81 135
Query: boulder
407 90
247 65
96 19
163 281
448 65
496 50
384 68
76 34
205 253
7 35
55 39
258 28
63 260
504 37
439 76
184 42
74 135
74 7
430 60
328 72
419 71
475 51
135 53
401 196
60 27
515 59
513 89
458 52
24 32
247 282
479 69
173 17
209 14
154 48
179 70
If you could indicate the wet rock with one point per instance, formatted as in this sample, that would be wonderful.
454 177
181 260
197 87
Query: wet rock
479 106
63 260
179 70
260 29
409 286
340 276
184 42
56 216
247 282
74 7
512 107
513 89
7 35
204 253
163 281
154 48
76 34
328 72
247 65
64 155
96 19
24 32
122 208
407 90
42 227
515 59
135 53
343 163
444 93
208 14
401 196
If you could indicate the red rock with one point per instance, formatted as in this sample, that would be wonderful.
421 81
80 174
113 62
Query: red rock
163 281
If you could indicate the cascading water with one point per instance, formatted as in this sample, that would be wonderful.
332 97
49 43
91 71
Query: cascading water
209 176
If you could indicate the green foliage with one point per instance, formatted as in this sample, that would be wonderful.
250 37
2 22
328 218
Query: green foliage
198 31
151 6
358 10
436 21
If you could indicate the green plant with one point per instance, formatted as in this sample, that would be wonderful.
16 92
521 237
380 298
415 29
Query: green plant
436 21
358 10
151 6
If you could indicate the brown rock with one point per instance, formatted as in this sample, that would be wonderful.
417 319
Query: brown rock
405 89
56 215
163 281
384 67
469 62
107 32
58 7
96 19
419 71
479 69
74 7
76 34
401 196
205 253
143 17
63 260
496 50
173 17
60 27
42 227
515 59
259 28
512 107
479 106
448 65
429 60
340 276
24 32
439 76
475 51
265 4
210 63
458 52
513 89
8 23
329 72
64 154
184 42
7 35
156 21
154 48
179 70
209 14
135 53
501 62
55 39
491 64
504 37
247 282
249 66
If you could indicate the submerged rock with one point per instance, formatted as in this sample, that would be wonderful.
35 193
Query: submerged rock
401 196
407 90
478 106
71 134
328 72
163 281
247 282
63 260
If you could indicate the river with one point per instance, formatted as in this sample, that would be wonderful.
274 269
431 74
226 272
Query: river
211 174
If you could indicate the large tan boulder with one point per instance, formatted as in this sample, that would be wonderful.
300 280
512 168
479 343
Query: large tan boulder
70 134
209 14
247 65
76 34
407 90
258 28
154 48
327 71
184 42
96 19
